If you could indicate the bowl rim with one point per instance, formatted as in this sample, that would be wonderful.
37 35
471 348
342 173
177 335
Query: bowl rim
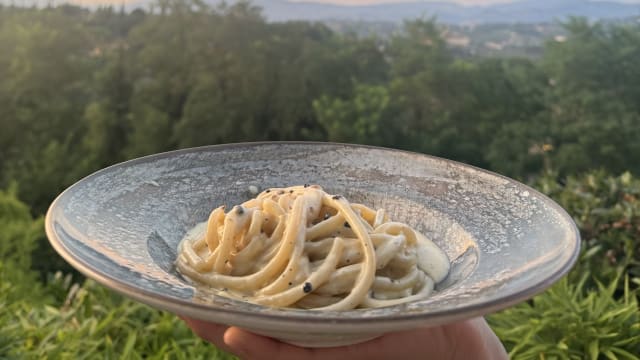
329 319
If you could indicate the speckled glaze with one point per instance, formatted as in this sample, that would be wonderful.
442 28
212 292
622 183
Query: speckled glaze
121 226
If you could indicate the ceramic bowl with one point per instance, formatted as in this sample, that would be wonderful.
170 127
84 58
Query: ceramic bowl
121 226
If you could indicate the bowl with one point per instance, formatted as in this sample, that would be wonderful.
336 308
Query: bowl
121 226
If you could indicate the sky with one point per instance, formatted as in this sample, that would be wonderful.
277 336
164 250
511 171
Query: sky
461 2
366 2
355 2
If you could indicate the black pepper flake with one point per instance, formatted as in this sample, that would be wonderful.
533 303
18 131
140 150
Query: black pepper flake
239 210
306 185
336 197
348 261
290 191
268 191
290 283
307 287
346 224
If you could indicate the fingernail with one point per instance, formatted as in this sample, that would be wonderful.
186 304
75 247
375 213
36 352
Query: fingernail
236 343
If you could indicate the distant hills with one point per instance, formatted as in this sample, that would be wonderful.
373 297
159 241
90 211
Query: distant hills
518 11
524 11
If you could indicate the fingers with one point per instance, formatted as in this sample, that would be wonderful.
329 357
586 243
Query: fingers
464 340
487 341
428 343
250 346
213 333
473 339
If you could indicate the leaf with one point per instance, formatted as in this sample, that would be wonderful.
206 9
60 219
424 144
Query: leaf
128 347
625 354
589 253
610 355
594 350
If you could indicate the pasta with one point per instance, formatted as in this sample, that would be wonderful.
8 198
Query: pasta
301 247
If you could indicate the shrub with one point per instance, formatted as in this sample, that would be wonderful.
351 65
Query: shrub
569 321
593 312
94 323
61 319
607 212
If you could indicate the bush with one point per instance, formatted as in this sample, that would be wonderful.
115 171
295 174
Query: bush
93 322
607 212
593 312
570 321
60 319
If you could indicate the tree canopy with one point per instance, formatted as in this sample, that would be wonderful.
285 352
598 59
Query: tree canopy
83 89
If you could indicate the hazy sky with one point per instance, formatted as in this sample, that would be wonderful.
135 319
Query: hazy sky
461 2
364 2
357 2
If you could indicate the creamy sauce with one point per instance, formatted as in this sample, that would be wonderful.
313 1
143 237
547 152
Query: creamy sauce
301 247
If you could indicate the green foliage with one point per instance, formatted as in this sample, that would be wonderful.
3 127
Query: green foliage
18 240
592 99
91 322
569 321
61 319
84 89
607 211
42 94
594 311
363 119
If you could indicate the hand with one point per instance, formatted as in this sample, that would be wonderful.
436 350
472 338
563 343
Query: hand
471 339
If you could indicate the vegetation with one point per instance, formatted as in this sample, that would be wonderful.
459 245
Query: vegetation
593 312
83 89
60 319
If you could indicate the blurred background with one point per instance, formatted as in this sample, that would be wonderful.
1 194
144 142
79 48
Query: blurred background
546 92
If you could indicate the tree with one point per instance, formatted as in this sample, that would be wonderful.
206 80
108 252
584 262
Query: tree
593 101
44 68
364 119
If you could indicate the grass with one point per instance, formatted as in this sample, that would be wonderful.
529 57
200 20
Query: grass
592 313
91 322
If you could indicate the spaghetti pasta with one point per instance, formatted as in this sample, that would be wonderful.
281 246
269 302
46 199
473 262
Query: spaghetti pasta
302 247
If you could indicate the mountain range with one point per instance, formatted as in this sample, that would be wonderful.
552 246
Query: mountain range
523 11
